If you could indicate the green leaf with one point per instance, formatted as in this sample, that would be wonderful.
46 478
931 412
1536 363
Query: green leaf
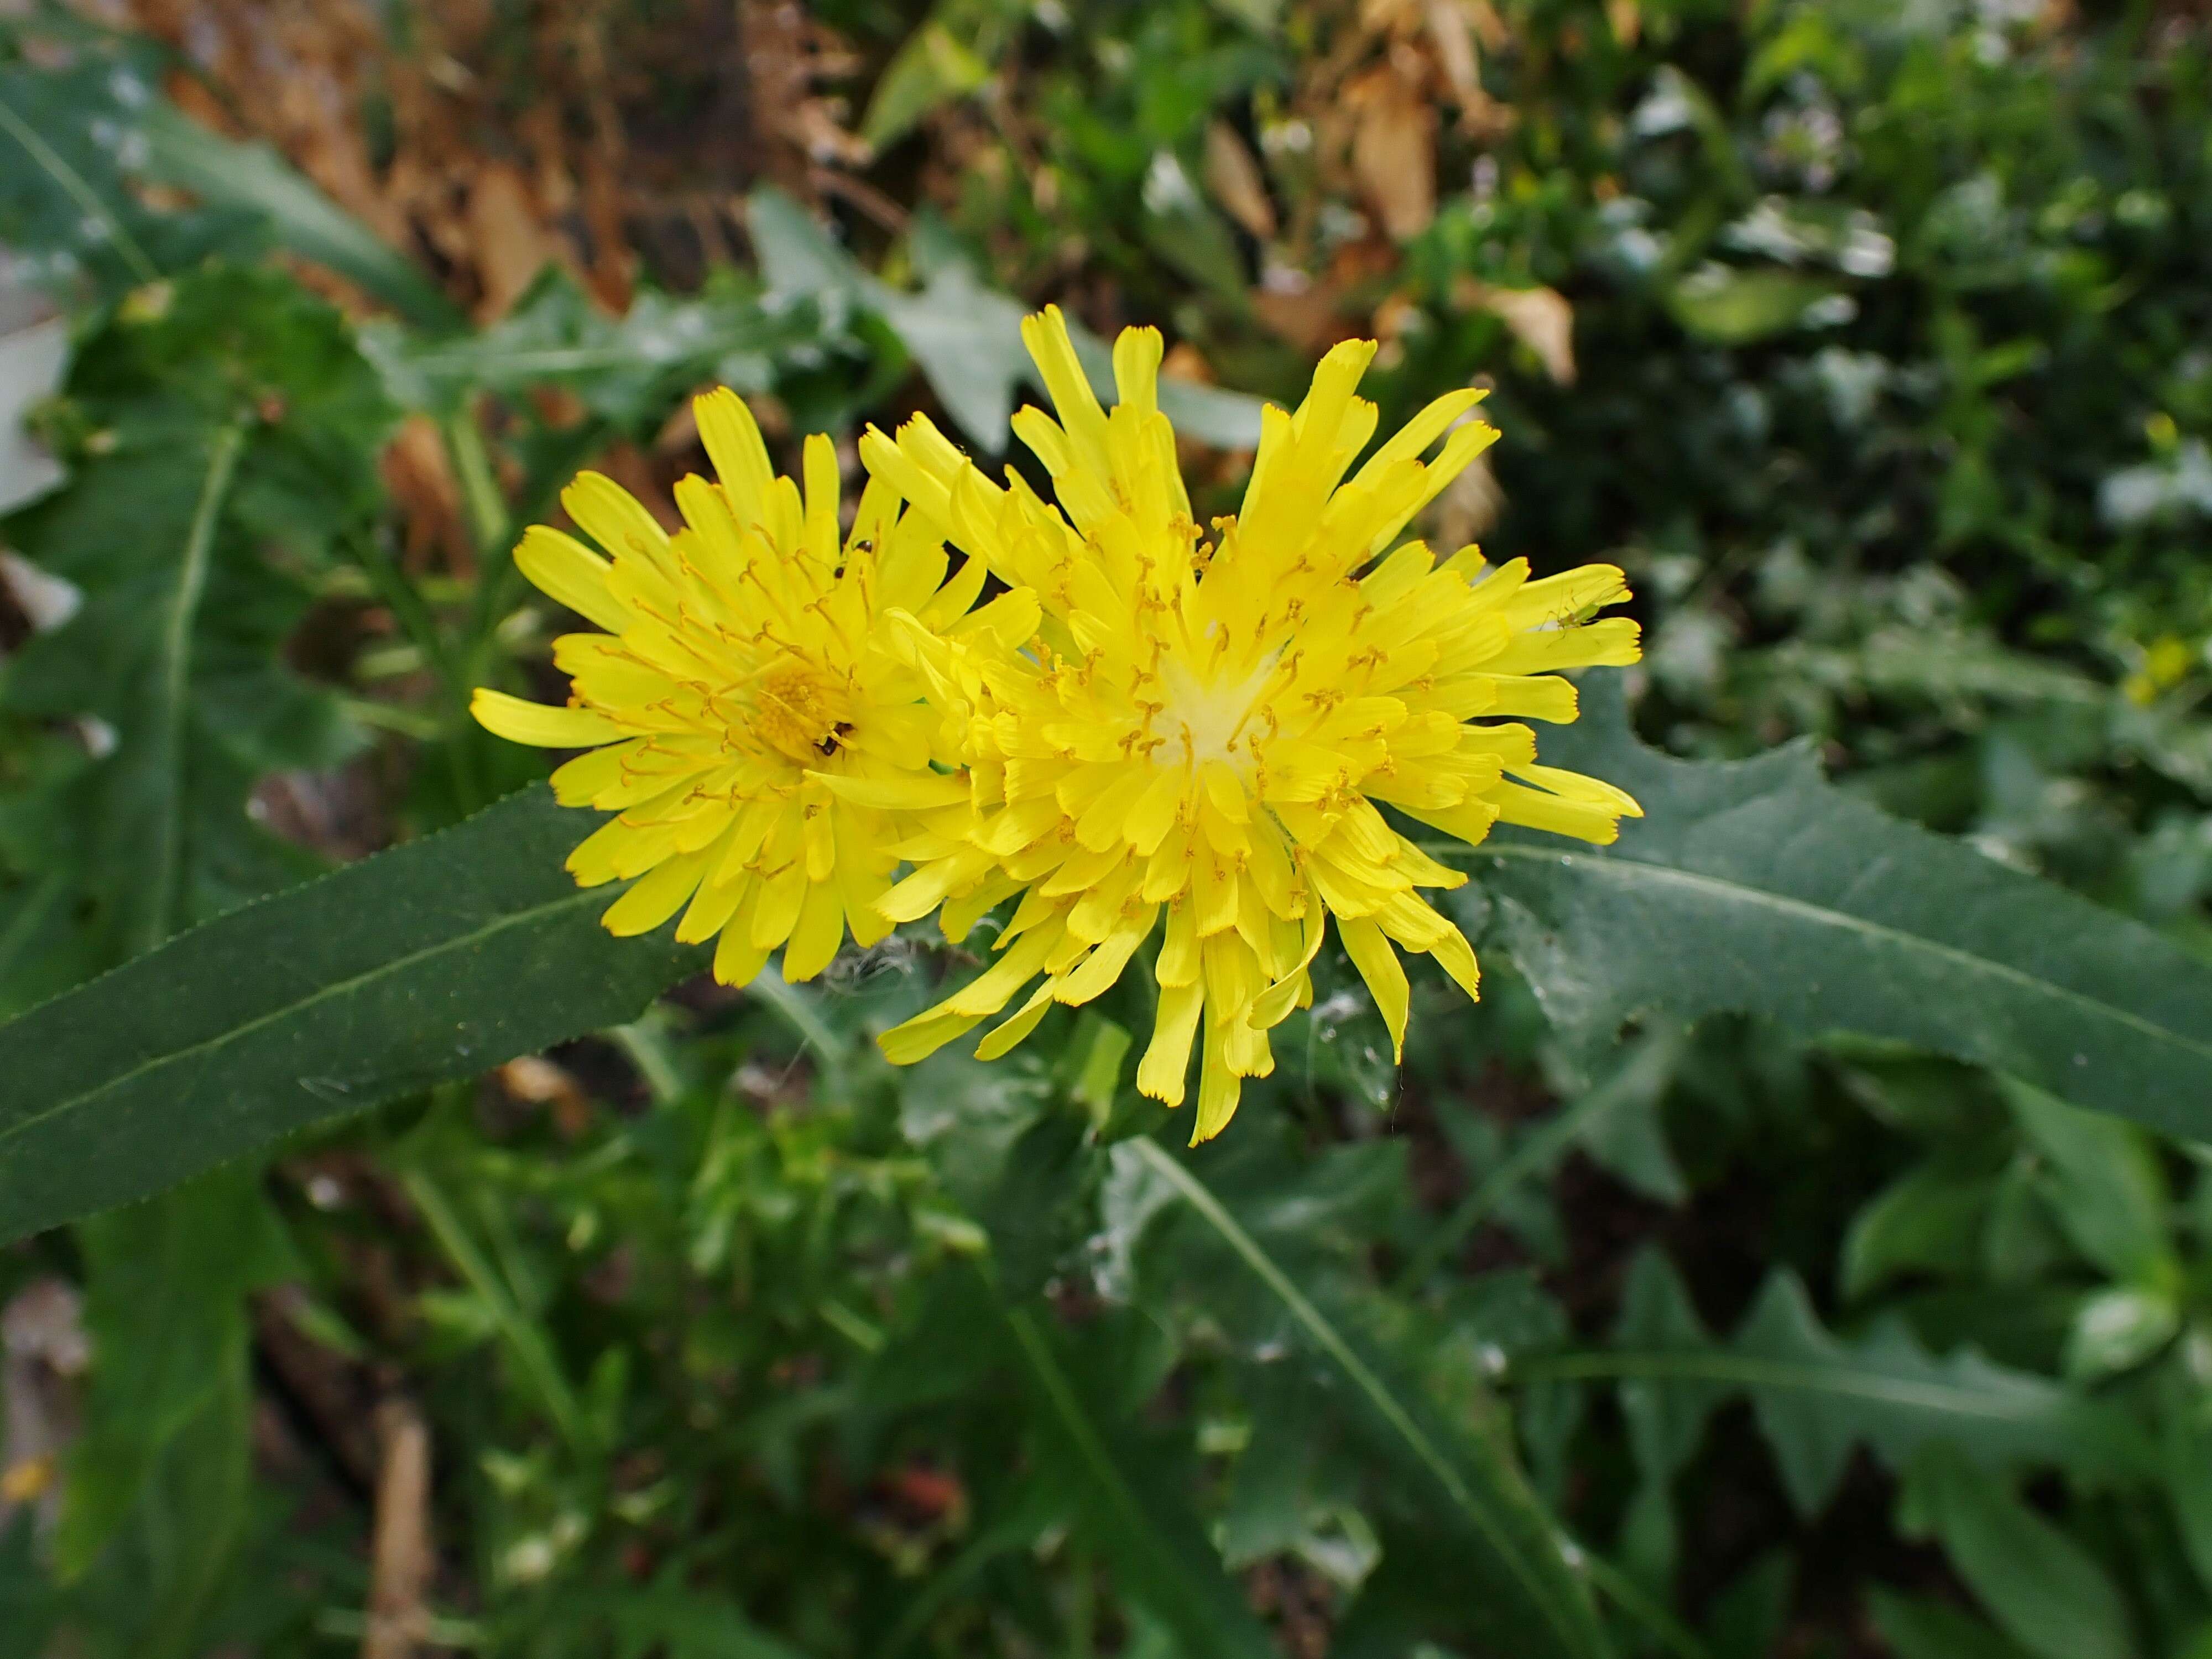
965 335
65 206
165 1306
251 177
1666 1419
628 369
1665 1423
435 960
2043 1590
1615 1120
674 1622
1459 1464
931 71
1928 1220
76 141
1920 1629
1816 1395
1163 1559
228 432
2107 1190
1754 886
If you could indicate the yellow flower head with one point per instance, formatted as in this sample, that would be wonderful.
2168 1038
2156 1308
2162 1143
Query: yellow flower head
1199 735
758 743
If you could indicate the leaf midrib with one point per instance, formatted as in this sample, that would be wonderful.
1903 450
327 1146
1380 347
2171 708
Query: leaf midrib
175 680
323 994
78 189
1845 919
1756 1371
1201 1198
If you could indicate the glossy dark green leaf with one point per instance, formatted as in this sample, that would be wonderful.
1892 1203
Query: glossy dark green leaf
435 960
1755 886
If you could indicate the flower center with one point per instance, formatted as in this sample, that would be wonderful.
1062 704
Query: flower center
801 713
1209 720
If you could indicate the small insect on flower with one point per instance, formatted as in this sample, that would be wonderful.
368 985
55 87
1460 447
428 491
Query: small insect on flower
1201 734
759 743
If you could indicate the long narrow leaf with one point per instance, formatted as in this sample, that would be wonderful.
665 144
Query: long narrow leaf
227 172
1526 1555
435 960
1162 1556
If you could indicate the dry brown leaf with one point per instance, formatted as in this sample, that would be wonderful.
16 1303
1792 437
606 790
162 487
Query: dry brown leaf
43 1350
434 531
1306 315
1233 177
534 1080
1540 318
1394 148
510 241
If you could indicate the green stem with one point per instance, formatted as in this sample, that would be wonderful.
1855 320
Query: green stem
173 700
480 491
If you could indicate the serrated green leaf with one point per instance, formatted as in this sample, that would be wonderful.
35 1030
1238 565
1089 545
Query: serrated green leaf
1753 886
435 960
235 426
627 369
1817 1395
1666 1419
67 137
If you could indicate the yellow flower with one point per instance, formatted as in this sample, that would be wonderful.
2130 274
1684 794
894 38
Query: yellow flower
1199 736
745 722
